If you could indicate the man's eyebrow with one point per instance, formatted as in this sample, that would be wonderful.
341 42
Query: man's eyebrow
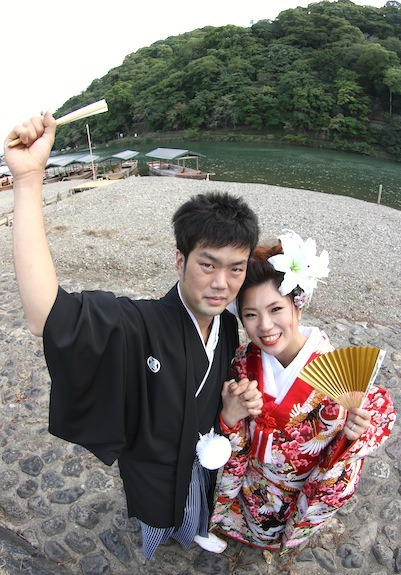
217 260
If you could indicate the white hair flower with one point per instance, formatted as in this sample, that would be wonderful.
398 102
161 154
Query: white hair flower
301 266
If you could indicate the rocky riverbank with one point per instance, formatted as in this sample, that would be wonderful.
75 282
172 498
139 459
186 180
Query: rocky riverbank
61 510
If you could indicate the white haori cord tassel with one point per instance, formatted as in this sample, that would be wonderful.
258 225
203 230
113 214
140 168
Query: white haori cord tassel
213 450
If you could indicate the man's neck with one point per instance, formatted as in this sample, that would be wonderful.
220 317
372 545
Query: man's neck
204 326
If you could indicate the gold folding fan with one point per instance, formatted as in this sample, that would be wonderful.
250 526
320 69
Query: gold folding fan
345 374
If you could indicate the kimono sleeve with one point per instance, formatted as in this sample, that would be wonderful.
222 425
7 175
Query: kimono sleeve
85 349
329 487
234 471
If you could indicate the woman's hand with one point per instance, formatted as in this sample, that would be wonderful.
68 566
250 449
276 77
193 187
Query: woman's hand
358 421
240 399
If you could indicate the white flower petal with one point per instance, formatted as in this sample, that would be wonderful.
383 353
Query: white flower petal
289 282
319 265
299 263
310 247
307 283
280 262
291 238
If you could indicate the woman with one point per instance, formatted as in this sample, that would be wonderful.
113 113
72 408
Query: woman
297 463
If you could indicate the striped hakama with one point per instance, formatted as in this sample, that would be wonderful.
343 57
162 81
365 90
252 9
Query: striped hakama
196 516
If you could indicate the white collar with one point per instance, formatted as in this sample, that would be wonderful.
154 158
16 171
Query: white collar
279 379
213 338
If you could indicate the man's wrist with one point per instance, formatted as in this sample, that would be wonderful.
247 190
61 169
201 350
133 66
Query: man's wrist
28 180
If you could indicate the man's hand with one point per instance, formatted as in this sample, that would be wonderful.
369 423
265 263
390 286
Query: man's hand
240 399
30 156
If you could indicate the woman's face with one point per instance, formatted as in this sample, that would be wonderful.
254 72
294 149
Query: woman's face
271 321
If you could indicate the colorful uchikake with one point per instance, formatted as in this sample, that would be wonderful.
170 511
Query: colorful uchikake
301 266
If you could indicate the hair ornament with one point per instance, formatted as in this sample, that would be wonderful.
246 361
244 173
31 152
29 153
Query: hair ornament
301 267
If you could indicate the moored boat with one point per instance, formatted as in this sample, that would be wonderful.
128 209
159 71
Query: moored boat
82 174
68 167
173 162
6 179
6 183
118 166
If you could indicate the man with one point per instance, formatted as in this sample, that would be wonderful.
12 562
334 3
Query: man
138 381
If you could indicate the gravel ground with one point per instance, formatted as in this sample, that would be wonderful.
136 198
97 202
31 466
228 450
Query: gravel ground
121 237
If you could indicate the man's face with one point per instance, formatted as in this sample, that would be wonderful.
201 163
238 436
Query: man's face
210 279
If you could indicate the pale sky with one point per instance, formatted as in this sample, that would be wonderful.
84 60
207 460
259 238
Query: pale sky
53 50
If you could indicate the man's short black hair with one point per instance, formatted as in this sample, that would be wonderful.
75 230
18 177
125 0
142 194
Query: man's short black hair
215 220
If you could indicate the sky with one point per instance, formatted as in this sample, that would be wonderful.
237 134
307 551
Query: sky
52 51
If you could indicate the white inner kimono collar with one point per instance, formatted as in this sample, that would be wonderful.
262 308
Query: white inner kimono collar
212 341
278 379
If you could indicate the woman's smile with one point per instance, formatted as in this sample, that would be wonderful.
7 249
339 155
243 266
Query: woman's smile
270 339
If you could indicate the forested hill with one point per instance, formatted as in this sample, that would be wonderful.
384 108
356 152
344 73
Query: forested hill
329 72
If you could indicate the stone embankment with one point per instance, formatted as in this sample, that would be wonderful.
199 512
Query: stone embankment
62 512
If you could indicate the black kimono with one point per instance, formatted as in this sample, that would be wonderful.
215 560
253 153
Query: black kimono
124 375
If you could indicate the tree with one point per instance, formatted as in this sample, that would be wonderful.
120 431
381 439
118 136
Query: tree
202 74
224 113
392 15
275 59
350 95
263 30
373 63
391 136
392 79
304 102
120 99
267 108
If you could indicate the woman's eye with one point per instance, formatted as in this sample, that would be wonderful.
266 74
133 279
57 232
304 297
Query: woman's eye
277 308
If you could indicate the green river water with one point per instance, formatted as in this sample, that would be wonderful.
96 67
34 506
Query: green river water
327 171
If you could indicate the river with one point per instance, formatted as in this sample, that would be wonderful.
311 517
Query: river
327 171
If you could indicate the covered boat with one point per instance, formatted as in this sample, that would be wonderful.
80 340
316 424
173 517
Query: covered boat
6 179
174 162
120 165
68 167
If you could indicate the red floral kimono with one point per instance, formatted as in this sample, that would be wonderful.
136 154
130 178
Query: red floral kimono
292 467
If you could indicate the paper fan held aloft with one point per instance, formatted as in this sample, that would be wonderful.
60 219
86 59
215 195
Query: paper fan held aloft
345 375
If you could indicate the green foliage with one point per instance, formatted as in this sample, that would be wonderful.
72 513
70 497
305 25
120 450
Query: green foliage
328 69
354 146
192 135
392 79
391 136
372 64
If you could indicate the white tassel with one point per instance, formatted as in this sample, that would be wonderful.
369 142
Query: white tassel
213 450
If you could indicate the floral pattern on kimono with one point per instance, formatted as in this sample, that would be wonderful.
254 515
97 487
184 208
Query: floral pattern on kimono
278 496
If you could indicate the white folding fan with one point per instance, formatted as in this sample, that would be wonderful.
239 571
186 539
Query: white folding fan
345 375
